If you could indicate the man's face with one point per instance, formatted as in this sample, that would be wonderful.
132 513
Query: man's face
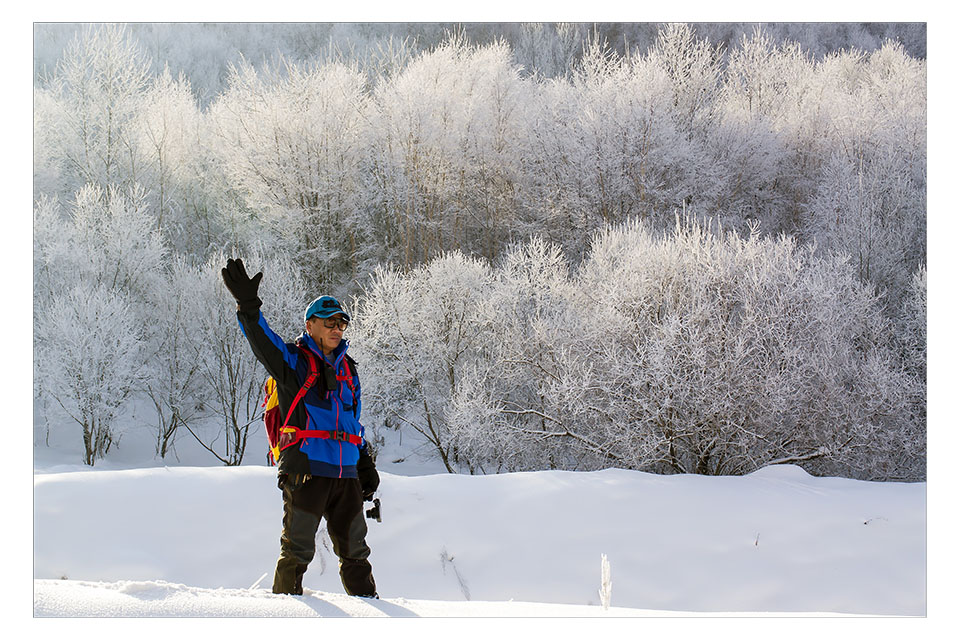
327 332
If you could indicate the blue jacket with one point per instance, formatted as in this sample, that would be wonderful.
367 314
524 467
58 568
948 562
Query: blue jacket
323 408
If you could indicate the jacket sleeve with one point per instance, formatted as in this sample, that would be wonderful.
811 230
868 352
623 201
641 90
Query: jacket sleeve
278 358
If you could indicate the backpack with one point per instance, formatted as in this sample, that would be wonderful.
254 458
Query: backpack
281 435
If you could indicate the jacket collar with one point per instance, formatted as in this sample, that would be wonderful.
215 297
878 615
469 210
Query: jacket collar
334 358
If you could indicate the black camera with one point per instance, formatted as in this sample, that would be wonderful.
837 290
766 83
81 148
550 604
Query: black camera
330 378
374 514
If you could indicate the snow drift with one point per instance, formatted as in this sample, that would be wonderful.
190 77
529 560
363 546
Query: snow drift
778 540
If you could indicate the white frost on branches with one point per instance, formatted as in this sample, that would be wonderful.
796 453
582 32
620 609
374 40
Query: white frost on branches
485 197
698 351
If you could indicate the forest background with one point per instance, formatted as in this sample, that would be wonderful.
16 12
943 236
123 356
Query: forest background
690 248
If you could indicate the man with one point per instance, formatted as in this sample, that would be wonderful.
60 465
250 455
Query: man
326 471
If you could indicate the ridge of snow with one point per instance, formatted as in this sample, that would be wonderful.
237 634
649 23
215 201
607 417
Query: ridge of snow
126 598
774 541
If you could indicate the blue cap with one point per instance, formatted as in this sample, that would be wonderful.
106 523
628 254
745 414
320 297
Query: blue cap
324 307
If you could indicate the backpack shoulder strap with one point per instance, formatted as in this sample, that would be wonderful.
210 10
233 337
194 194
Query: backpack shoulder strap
351 368
351 363
311 358
351 373
311 378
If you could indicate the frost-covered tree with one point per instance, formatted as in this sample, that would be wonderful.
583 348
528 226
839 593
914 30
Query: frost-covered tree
173 383
447 158
739 352
114 241
507 412
765 87
88 342
870 199
697 351
870 210
549 50
639 159
912 326
694 67
910 338
91 101
416 333
764 77
106 248
291 145
170 139
205 50
105 237
49 171
492 161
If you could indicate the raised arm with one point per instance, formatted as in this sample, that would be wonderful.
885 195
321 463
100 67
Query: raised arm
269 348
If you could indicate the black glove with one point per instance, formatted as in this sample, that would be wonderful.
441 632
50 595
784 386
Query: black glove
367 473
241 286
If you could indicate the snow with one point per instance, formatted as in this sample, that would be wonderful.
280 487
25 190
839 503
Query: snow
202 541
75 598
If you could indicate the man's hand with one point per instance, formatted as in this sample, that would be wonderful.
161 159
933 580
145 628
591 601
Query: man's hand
367 474
241 286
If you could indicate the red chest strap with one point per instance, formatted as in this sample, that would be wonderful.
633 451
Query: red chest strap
342 436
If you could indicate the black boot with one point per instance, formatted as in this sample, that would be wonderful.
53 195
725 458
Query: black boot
357 578
298 584
289 577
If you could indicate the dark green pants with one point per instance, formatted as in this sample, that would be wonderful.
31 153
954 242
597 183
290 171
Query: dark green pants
340 502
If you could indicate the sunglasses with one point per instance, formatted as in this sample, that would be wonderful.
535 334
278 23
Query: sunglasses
331 323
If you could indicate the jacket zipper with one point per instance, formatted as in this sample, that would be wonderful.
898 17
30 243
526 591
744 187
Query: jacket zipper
337 402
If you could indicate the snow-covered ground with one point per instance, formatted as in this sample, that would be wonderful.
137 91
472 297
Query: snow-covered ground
73 598
196 541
